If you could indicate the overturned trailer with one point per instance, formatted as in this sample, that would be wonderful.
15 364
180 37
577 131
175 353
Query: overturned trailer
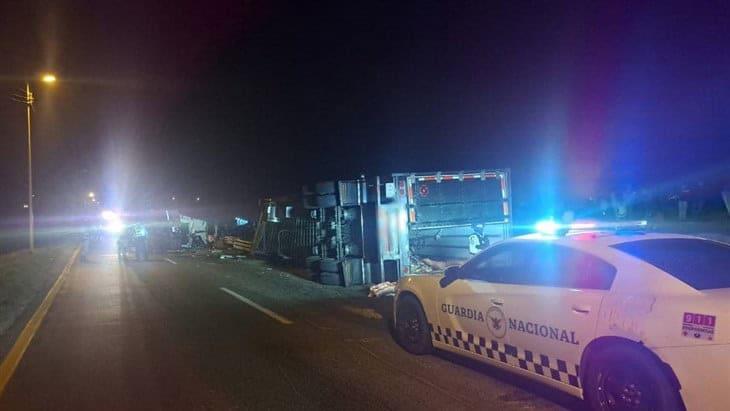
366 230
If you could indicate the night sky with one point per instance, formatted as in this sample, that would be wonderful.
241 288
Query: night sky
232 101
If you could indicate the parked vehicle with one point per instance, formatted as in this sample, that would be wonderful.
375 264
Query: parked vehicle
625 320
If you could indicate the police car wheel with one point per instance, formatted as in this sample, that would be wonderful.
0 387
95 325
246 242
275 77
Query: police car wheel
412 328
625 378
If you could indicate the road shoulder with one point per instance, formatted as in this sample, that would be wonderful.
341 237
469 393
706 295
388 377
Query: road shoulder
24 283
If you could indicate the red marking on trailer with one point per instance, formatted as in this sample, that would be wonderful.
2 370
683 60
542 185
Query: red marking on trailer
423 191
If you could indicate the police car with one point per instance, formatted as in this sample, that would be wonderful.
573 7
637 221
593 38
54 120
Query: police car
621 318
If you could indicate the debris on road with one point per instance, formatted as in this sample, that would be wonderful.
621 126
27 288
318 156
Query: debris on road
386 288
368 313
232 257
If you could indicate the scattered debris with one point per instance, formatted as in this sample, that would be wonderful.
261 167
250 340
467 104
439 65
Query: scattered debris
368 313
381 289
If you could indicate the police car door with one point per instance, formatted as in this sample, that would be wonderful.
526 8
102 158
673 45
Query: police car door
472 315
553 311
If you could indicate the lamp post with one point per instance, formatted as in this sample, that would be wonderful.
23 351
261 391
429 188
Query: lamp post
27 99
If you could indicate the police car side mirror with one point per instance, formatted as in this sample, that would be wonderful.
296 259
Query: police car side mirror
451 274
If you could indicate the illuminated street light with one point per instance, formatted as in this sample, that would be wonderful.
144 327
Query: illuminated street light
91 194
27 99
48 78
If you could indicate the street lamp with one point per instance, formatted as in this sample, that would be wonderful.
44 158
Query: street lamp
27 99
48 78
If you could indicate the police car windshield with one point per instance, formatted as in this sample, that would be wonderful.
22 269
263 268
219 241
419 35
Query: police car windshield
700 263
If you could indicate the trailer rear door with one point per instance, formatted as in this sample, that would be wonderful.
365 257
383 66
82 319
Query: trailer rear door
452 215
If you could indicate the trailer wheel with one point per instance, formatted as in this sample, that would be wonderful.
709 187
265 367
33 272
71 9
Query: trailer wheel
310 202
326 201
329 278
312 263
325 187
329 265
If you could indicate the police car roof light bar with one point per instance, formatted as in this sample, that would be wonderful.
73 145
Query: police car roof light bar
553 228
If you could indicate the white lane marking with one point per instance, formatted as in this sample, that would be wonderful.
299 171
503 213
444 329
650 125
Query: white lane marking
264 310
170 261
319 326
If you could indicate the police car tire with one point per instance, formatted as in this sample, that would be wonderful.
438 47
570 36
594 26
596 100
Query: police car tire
636 363
408 309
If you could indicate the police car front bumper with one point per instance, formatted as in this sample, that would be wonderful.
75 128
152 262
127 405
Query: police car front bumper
703 372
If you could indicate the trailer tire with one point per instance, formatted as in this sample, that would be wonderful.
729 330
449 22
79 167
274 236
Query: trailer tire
310 202
326 201
329 265
330 278
312 263
325 187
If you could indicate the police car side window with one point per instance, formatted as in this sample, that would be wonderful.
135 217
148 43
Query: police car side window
541 264
558 266
503 263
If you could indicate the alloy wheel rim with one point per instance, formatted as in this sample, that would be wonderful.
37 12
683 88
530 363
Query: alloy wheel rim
622 389
412 327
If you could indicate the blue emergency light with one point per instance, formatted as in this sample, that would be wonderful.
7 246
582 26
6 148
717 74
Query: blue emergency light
551 227
547 227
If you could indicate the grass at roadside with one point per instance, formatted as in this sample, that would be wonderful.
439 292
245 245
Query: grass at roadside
718 230
23 276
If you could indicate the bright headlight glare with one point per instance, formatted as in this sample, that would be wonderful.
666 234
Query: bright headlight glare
115 226
109 215
548 227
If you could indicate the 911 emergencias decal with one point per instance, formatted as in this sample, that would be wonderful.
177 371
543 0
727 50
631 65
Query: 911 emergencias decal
699 326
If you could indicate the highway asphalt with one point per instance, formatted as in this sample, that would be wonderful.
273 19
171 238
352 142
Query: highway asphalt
195 334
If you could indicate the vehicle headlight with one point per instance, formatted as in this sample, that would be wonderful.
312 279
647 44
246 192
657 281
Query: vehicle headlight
115 226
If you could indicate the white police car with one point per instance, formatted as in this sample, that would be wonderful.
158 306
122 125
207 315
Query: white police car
623 320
